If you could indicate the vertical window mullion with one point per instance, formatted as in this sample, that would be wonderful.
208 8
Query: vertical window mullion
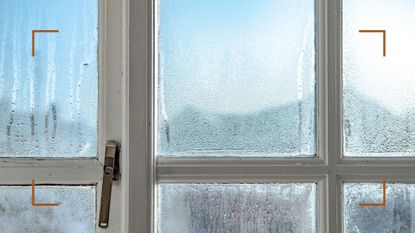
334 113
140 121
324 209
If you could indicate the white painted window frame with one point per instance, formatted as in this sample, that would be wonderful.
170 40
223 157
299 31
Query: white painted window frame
111 121
330 170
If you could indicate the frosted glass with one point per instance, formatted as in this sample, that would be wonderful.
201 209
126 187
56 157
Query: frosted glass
237 208
48 103
397 216
236 78
379 95
75 213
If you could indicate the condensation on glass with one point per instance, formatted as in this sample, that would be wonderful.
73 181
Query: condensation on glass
48 103
75 213
236 78
397 216
237 208
378 91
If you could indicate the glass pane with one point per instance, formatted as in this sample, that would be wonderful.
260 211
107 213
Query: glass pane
379 95
397 216
75 213
237 77
237 208
48 103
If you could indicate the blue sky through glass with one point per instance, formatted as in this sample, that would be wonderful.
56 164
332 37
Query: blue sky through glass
241 53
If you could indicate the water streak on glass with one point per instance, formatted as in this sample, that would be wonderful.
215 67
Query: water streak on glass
237 208
48 103
397 216
75 213
379 95
236 78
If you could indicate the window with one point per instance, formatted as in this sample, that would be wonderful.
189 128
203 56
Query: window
239 95
396 217
237 208
378 96
58 95
76 212
50 100
249 89
204 121
377 105
234 116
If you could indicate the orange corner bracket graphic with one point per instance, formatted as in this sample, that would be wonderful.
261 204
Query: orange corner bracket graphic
383 204
34 198
34 37
384 38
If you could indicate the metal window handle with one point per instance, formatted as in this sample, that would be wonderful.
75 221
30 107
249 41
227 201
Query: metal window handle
111 172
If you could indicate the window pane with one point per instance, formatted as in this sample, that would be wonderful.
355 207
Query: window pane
48 103
397 216
237 77
237 208
379 92
75 213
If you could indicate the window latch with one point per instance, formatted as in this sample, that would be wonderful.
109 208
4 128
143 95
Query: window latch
111 173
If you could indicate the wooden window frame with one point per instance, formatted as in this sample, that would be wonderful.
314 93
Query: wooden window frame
329 170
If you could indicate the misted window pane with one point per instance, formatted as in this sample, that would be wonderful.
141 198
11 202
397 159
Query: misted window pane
237 77
379 94
397 216
74 214
237 208
48 103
